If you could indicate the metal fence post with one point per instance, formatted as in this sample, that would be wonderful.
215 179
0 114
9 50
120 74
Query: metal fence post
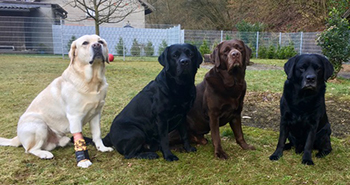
222 35
301 43
62 49
257 44
280 39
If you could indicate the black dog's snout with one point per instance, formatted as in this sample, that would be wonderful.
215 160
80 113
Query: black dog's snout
96 46
311 78
184 61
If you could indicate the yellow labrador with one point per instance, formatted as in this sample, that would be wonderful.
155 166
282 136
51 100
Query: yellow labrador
69 102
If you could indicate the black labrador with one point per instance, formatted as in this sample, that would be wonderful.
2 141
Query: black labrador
303 111
142 127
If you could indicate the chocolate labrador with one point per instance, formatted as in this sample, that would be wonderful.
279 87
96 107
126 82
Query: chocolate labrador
220 97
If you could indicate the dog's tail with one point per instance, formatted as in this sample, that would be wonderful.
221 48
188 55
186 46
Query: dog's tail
107 141
10 142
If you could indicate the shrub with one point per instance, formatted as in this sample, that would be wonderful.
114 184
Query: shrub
149 49
135 48
119 47
271 52
162 47
71 40
334 41
262 53
204 48
285 52
213 46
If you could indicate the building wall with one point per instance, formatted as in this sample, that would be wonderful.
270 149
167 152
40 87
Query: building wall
135 19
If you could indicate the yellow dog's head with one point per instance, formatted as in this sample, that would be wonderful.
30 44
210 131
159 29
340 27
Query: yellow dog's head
89 48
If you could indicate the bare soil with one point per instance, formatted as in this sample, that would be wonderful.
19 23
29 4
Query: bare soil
261 109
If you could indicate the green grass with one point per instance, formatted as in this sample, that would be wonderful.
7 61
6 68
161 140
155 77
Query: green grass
23 77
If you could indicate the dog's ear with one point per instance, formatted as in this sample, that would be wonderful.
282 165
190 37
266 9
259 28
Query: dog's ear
328 67
163 59
199 58
289 66
248 54
71 53
215 56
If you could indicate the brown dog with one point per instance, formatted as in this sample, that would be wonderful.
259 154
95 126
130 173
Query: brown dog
220 97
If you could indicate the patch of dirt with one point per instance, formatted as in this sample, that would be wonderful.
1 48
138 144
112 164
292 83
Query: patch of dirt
261 109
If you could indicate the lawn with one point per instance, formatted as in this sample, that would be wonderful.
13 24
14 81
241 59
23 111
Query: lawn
23 77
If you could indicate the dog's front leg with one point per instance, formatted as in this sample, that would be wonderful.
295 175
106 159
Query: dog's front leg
215 136
96 134
184 136
236 126
281 142
164 139
81 152
309 145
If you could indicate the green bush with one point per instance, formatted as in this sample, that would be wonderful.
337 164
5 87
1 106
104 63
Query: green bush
262 53
119 47
149 49
335 40
162 47
135 48
271 52
244 26
204 48
71 40
285 52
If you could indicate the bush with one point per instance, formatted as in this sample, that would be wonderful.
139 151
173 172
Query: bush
162 47
271 52
334 41
244 26
262 53
72 39
119 47
204 48
135 48
285 52
149 49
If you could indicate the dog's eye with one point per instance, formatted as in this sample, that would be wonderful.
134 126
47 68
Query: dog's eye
85 43
101 42
302 69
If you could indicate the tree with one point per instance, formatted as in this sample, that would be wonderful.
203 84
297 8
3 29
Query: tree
334 41
149 49
135 48
204 48
162 47
120 48
105 11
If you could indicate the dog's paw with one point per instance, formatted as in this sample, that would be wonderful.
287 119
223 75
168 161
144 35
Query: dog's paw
191 149
322 154
221 155
171 158
42 154
84 163
248 147
308 162
274 157
104 149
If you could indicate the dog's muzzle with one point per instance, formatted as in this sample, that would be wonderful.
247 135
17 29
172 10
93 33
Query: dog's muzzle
234 59
309 82
97 50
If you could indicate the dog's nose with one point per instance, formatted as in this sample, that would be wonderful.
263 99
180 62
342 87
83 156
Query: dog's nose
96 46
184 62
235 53
311 78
